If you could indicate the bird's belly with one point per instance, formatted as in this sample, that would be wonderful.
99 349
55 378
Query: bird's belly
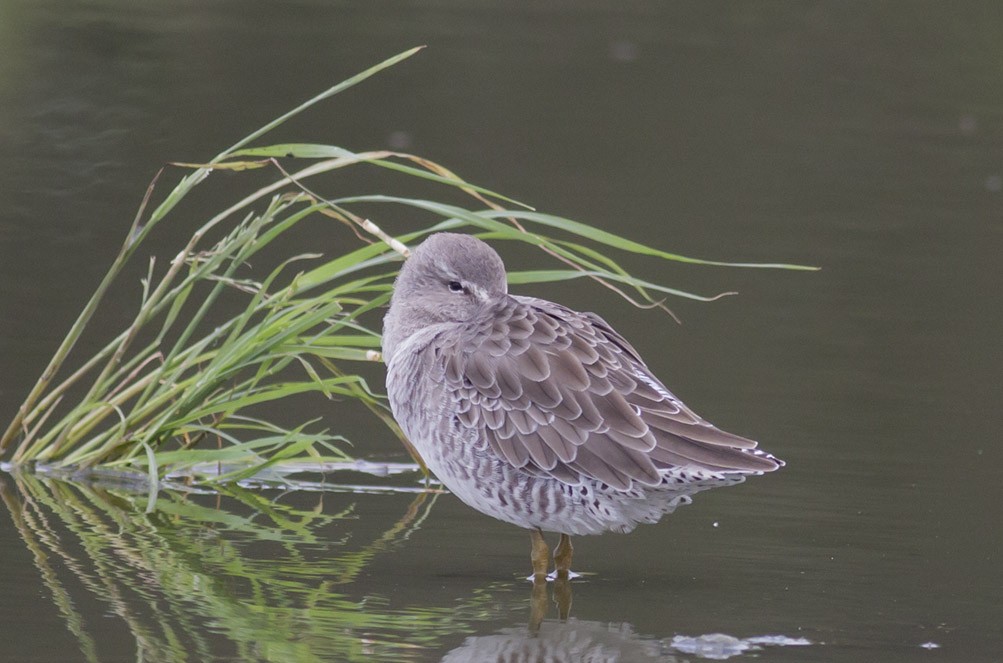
492 486
474 474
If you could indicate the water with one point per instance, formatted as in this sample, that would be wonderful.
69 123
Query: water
864 139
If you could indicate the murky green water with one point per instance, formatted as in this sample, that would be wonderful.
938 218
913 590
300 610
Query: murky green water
865 139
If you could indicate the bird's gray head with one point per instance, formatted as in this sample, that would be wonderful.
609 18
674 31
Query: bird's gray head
446 279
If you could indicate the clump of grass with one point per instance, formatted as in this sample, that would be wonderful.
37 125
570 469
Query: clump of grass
172 392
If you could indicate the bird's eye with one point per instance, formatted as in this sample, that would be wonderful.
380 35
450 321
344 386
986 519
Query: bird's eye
455 286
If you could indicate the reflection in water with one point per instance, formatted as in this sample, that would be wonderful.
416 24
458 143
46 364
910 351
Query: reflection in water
244 575
557 642
193 581
539 604
576 641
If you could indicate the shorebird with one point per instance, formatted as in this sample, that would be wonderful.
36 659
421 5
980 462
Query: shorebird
536 414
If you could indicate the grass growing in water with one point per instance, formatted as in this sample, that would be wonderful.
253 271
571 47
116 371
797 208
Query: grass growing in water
171 393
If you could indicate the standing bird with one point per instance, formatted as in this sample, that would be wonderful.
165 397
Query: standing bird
536 414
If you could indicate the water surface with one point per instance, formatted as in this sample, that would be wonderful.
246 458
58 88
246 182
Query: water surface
864 139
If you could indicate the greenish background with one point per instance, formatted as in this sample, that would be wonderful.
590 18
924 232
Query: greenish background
866 138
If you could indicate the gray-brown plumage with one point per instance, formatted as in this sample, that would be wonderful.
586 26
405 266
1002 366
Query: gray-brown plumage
536 414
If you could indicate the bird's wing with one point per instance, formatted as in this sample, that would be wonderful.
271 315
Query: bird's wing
560 393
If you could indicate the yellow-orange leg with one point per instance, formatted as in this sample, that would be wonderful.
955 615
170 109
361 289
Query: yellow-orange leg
540 556
562 557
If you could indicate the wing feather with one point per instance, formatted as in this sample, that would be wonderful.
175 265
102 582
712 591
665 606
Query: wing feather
561 394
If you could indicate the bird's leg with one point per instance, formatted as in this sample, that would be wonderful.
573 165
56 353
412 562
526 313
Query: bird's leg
562 557
540 556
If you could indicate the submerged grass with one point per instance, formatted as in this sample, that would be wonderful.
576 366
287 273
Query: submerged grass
175 390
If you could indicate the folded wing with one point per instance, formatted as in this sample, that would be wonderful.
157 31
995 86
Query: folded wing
560 393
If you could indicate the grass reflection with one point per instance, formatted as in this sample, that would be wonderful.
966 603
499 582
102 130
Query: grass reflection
233 574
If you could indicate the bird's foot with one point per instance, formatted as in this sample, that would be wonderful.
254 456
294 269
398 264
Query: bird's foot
554 575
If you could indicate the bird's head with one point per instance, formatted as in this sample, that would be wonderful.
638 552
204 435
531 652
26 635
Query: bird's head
448 278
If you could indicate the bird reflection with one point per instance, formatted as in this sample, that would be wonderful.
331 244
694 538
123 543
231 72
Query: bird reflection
539 603
559 641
